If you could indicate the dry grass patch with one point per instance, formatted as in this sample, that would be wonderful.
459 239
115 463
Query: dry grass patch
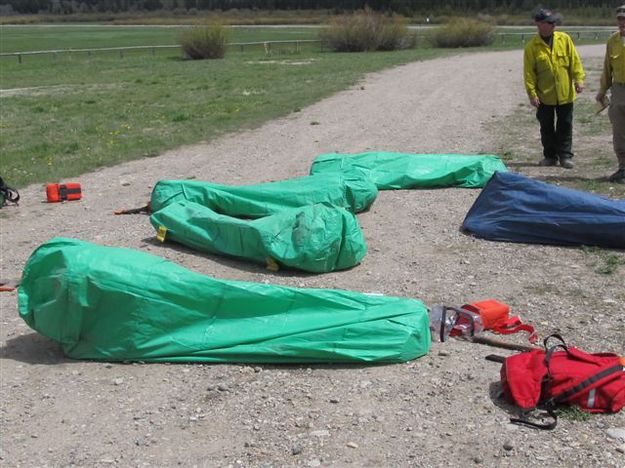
366 30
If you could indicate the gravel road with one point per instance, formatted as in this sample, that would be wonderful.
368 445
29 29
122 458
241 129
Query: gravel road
440 410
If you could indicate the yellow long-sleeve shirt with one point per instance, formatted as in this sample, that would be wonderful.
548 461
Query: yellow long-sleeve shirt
614 63
551 72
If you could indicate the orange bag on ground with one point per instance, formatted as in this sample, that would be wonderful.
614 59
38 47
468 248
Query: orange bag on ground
495 316
63 192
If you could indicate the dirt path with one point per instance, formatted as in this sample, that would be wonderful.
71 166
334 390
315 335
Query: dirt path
438 410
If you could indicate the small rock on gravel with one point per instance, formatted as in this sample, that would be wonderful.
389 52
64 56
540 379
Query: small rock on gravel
617 433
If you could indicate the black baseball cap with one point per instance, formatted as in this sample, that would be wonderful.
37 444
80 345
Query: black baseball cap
546 15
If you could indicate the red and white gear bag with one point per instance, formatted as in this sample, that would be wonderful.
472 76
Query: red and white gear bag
563 374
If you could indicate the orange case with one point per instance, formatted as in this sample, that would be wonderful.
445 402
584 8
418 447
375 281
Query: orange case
492 312
62 192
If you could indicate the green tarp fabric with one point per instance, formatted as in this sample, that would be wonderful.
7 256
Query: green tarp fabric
308 222
389 170
316 238
117 304
254 201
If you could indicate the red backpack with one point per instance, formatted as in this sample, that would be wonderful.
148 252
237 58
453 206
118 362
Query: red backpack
563 374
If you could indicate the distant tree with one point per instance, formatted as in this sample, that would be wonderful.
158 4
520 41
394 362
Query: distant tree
6 10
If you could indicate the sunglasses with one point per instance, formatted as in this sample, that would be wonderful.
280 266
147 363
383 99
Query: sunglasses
447 320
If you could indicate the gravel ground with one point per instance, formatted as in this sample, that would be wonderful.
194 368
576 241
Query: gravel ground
439 410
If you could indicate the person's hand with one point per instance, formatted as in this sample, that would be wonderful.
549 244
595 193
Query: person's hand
600 97
579 87
534 101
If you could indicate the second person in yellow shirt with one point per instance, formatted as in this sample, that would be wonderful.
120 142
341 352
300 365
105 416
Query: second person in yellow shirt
613 77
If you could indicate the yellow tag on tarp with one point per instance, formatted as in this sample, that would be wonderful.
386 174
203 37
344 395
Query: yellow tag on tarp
272 265
162 233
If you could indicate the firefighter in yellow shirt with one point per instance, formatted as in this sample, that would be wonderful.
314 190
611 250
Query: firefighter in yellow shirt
613 78
553 75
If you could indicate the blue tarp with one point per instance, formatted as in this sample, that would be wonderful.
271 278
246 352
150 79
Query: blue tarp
516 208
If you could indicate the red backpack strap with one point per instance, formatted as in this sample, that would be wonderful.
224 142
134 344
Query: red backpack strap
523 419
514 325
496 317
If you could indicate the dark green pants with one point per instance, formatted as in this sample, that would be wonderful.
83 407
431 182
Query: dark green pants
556 130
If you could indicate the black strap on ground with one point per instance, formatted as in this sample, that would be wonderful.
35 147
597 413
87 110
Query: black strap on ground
495 358
524 421
142 209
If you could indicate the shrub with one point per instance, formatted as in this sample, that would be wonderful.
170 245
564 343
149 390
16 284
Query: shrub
366 30
205 42
463 33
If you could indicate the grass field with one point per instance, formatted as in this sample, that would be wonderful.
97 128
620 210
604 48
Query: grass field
71 114
51 37
66 114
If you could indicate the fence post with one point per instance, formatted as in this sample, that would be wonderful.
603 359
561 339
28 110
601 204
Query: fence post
19 58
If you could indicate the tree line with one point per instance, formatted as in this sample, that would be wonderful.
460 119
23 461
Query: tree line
403 7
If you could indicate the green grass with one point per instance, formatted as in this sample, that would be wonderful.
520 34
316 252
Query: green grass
52 37
62 36
79 114
604 262
573 413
